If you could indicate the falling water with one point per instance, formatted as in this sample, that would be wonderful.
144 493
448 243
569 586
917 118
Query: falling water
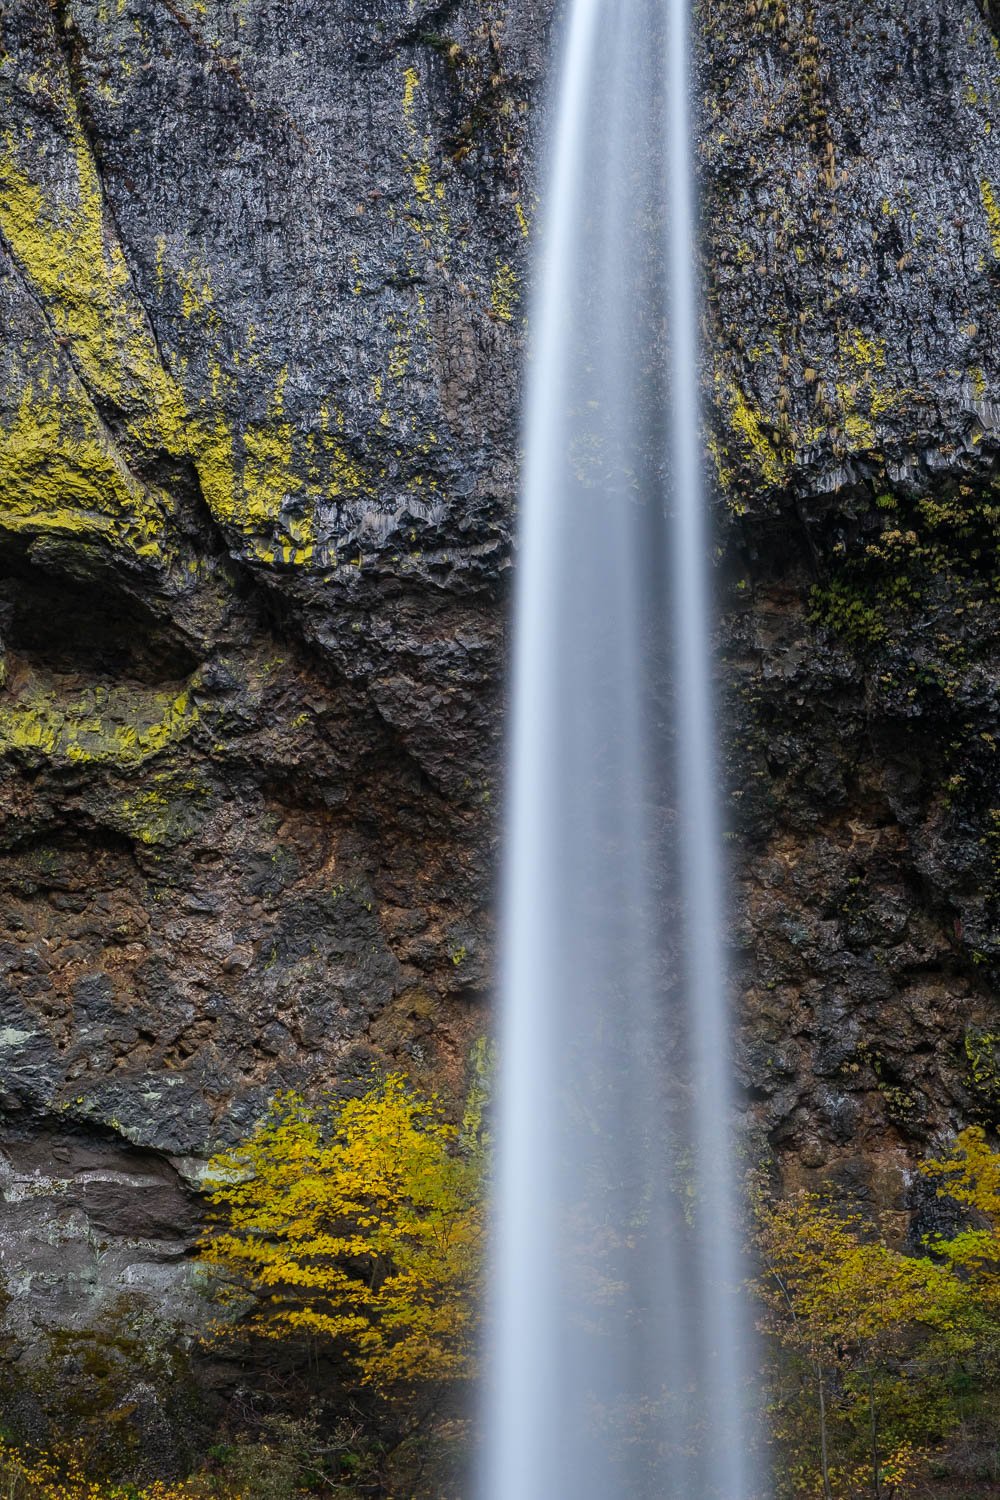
617 1368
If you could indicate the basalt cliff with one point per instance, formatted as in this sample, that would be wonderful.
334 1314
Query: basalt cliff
263 272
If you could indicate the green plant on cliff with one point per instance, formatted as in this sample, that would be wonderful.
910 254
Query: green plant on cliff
970 1175
841 608
362 1222
930 559
983 1067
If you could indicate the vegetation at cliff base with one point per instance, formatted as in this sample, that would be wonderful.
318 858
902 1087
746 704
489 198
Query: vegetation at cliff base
879 1358
344 1257
290 1458
358 1221
357 1226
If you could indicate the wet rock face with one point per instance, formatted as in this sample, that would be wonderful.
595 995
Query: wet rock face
90 1216
261 271
852 269
262 278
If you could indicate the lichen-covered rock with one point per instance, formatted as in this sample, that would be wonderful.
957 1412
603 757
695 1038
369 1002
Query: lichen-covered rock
262 281
261 273
852 267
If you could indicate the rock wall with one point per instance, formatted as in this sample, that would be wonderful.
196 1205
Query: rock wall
851 173
261 273
262 277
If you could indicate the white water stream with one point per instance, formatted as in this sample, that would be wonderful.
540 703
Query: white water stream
618 1345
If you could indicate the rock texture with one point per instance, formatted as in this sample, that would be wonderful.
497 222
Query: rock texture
261 274
852 270
260 277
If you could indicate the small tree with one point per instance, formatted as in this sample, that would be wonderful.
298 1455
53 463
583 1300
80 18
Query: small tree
848 1304
361 1221
970 1175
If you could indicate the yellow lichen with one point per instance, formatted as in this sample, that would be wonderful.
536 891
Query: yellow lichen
217 474
422 180
399 355
861 397
411 84
62 467
504 294
268 474
77 270
864 352
197 295
724 476
97 725
992 208
859 432
162 812
770 460
419 163
62 474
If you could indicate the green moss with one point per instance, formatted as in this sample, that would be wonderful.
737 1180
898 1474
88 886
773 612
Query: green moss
842 609
902 1105
990 839
482 1071
982 1052
938 547
80 1390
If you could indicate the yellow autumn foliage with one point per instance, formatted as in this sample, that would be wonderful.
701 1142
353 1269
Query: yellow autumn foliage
40 1476
885 1355
970 1175
835 1291
361 1221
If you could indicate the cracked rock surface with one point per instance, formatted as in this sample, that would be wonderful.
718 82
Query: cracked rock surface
262 280
852 269
261 271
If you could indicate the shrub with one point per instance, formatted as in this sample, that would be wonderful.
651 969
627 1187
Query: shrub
360 1222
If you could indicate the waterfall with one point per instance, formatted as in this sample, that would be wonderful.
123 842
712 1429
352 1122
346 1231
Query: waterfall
618 1351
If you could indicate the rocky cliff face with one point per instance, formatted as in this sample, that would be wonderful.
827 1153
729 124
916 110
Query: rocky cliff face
853 270
261 269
